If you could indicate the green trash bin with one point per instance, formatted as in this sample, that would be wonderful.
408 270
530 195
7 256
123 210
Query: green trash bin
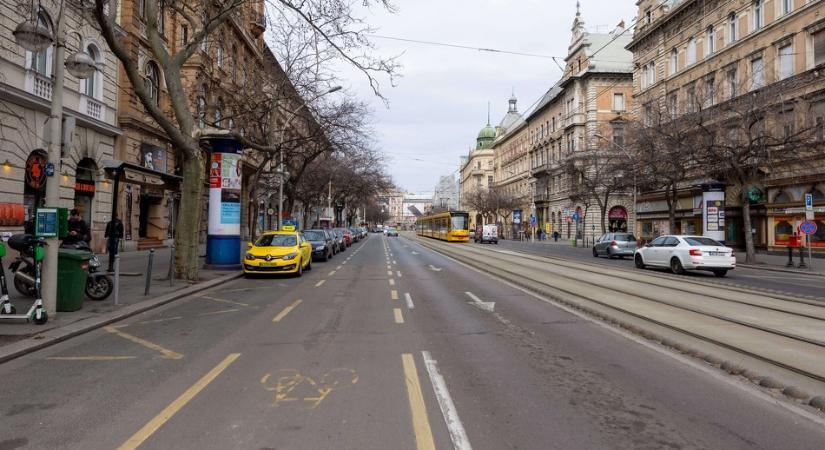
72 271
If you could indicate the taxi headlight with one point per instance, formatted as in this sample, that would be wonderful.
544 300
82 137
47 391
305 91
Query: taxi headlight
250 256
291 255
320 247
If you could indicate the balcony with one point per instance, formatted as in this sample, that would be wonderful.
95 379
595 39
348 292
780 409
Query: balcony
257 24
39 85
92 108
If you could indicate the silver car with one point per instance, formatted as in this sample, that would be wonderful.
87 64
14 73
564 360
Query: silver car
615 245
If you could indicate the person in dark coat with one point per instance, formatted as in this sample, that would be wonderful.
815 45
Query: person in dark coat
113 235
78 229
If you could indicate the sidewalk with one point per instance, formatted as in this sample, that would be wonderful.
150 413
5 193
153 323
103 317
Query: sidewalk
764 261
133 267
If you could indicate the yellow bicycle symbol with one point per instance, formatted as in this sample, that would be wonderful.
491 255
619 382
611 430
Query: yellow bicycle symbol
290 385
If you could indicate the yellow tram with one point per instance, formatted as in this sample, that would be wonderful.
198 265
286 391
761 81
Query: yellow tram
451 226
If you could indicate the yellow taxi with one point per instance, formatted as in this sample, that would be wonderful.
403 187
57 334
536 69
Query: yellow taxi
278 252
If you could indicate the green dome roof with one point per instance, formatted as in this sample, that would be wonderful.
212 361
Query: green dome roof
487 132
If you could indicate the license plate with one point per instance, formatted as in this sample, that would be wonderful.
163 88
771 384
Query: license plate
269 264
716 253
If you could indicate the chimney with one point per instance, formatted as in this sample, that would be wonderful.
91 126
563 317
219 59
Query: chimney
619 27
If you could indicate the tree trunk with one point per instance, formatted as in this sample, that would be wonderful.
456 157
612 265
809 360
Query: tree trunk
750 248
187 231
603 210
671 207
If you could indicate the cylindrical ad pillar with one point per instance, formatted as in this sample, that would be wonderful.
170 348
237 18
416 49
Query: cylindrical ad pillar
223 240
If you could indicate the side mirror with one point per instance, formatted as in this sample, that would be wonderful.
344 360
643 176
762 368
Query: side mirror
248 245
648 245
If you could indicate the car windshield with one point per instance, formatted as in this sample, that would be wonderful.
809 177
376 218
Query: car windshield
624 237
314 235
277 240
702 241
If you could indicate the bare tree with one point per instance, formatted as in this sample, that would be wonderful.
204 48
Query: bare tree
597 176
484 201
505 203
331 24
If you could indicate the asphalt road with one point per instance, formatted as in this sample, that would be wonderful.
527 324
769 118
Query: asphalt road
797 284
387 346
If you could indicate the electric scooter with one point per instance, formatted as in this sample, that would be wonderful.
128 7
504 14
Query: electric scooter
36 313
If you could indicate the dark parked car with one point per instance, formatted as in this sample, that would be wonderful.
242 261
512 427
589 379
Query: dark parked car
323 245
338 237
615 245
356 236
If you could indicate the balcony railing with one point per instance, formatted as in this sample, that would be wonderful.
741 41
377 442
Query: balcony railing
42 86
92 108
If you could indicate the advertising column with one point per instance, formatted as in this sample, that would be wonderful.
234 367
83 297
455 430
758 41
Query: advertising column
713 211
223 240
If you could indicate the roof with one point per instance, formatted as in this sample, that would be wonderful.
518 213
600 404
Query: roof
611 56
487 132
548 97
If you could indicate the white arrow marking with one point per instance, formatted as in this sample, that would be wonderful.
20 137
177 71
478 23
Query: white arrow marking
408 298
486 306
437 269
414 252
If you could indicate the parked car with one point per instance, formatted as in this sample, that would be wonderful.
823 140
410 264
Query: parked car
340 243
356 234
392 232
322 244
489 234
347 236
681 253
615 245
278 252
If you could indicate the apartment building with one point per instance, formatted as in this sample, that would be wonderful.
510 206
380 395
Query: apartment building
511 176
89 127
476 172
695 56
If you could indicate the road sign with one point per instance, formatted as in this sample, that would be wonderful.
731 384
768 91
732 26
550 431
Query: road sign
807 227
576 217
809 202
533 221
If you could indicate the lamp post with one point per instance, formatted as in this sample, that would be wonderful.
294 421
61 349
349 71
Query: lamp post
281 174
627 155
34 37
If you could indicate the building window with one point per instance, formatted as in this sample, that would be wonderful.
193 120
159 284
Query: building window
787 6
652 69
161 17
42 60
205 38
648 119
618 136
648 16
710 87
732 31
733 85
692 105
618 102
673 105
674 61
757 73
184 34
141 6
819 47
219 54
153 82
90 85
489 180
785 61
758 14
234 62
711 37
690 52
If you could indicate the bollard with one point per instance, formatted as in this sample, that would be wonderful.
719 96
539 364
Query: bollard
172 266
790 257
149 271
117 279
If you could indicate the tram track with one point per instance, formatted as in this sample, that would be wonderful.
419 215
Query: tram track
782 331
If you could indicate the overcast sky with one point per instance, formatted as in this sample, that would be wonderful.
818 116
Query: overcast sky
440 103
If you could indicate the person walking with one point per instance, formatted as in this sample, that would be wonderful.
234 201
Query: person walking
556 236
113 235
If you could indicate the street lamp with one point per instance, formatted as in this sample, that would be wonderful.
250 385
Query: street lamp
281 174
34 36
627 155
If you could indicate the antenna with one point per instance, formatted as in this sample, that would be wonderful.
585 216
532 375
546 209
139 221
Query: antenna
488 113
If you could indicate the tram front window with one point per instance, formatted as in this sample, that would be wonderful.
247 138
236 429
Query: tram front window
459 223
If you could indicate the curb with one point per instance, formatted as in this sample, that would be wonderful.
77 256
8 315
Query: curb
57 335
779 269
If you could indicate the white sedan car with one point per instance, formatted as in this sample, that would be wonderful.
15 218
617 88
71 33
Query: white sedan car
680 253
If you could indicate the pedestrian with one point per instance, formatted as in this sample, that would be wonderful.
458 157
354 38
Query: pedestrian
78 229
556 236
113 235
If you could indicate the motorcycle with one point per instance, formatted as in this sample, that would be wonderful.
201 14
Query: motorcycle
99 284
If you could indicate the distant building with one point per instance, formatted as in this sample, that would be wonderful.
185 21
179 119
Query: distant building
445 196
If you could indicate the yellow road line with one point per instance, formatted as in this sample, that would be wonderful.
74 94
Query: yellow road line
286 310
394 294
218 312
418 410
169 354
318 284
399 318
167 413
90 358
231 302
392 282
160 320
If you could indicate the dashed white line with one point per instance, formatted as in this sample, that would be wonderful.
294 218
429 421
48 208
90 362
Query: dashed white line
332 273
409 301
318 284
392 282
445 402
398 272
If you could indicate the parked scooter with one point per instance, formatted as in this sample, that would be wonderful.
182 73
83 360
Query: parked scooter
36 313
99 284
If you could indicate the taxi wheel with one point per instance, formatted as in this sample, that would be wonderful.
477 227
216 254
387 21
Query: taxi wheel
300 271
309 263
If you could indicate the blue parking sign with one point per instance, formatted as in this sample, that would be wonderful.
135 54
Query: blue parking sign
533 221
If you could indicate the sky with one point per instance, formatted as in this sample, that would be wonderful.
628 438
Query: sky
440 102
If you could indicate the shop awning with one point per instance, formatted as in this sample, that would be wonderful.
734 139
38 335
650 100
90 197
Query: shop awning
136 174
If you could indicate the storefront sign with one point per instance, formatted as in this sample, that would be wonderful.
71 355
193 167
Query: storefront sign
617 212
517 216
36 170
713 218
84 186
152 157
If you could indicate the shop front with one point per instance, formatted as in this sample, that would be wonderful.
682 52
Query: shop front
617 219
787 211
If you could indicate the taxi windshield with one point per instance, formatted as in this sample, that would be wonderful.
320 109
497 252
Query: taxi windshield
276 240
